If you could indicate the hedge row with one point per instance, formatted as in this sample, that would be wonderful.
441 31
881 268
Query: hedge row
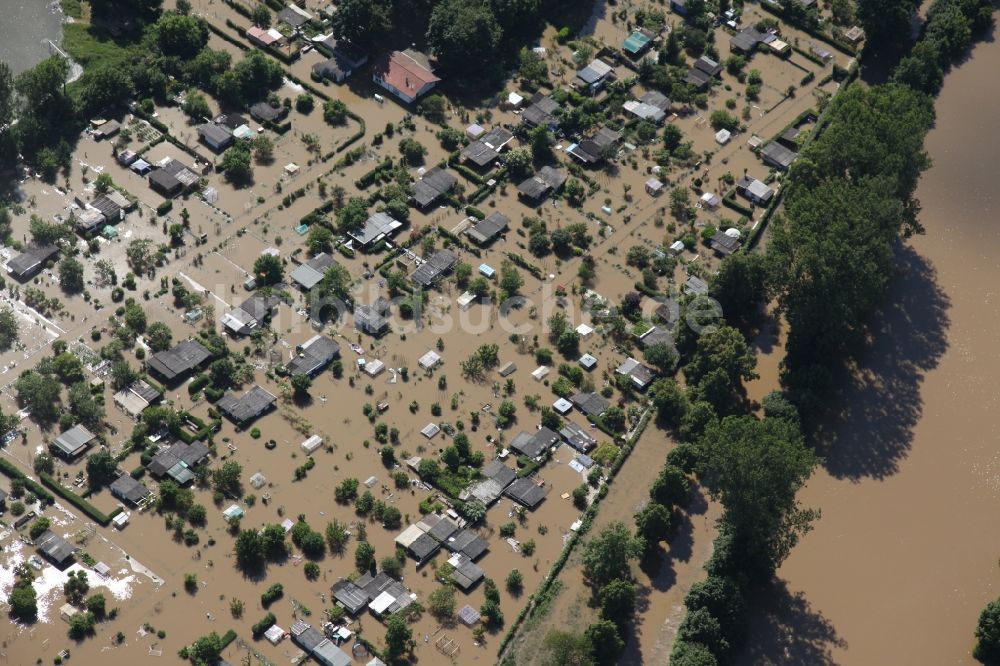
729 201
83 505
526 265
11 471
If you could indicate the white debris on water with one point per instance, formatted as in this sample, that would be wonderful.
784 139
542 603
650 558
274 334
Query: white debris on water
49 582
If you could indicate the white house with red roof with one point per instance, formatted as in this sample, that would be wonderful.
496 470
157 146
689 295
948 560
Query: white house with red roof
406 74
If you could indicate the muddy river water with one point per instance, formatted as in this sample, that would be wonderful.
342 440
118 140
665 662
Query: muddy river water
903 558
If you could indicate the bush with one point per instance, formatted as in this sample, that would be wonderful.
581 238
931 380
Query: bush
265 623
271 595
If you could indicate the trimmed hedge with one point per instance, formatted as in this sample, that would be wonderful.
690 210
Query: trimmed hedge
83 505
11 471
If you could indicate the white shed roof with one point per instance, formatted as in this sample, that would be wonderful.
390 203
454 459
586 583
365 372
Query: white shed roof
429 360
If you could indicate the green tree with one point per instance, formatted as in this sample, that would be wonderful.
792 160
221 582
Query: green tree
515 581
510 279
606 557
76 587
158 336
206 650
605 642
987 648
722 597
181 36
263 149
273 544
756 468
617 600
434 108
700 626
670 488
353 215
38 527
541 144
886 24
101 469
85 407
249 549
723 348
301 384
236 164
48 233
81 625
412 151
365 23
364 556
652 525
335 112
23 602
9 328
320 239
40 395
226 479
741 286
464 35
441 602
566 649
260 15
518 162
398 637
687 653
268 269
531 67
71 275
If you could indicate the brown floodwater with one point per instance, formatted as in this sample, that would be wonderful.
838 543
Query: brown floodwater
902 561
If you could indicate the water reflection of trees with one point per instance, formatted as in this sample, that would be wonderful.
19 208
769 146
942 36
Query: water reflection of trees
869 429
784 629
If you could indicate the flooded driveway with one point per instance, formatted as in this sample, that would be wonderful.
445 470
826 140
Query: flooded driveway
903 560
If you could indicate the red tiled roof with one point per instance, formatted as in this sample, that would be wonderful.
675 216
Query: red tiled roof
403 72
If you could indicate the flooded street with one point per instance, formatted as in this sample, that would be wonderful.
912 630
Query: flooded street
902 561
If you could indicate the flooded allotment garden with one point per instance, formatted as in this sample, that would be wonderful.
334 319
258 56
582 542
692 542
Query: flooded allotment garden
386 335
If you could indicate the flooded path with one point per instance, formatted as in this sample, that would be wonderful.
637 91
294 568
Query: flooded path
902 560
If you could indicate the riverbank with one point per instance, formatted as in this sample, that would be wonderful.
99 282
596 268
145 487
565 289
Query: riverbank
898 568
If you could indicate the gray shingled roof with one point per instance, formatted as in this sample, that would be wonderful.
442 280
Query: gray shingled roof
309 274
184 357
314 355
129 490
434 267
778 155
377 227
468 543
349 595
31 259
525 491
248 406
591 404
432 185
487 229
